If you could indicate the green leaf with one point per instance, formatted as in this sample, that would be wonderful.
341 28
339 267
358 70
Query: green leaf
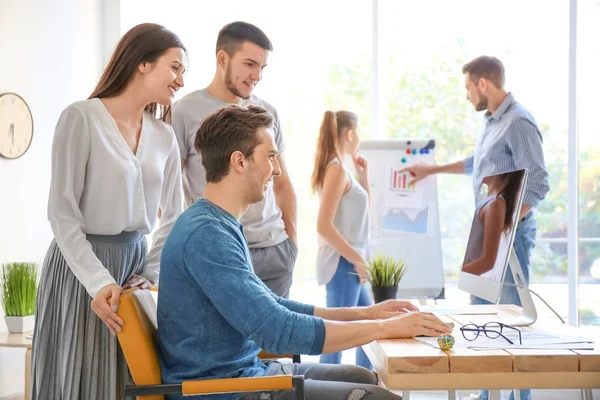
385 270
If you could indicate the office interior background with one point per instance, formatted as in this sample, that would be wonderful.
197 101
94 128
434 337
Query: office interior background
396 63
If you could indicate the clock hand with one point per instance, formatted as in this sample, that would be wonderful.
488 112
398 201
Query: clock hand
11 133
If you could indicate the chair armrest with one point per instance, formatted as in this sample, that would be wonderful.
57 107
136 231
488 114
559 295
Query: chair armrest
263 355
234 385
215 386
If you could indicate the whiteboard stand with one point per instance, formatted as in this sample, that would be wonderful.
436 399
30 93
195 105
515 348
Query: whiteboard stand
405 217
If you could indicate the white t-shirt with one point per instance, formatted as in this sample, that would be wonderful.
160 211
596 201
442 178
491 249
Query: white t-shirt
263 223
99 186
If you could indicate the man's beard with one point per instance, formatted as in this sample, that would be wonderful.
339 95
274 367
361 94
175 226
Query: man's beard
229 84
483 103
254 195
256 192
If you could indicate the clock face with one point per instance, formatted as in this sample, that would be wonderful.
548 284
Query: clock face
16 126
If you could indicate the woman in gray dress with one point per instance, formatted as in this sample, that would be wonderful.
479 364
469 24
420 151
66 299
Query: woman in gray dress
115 164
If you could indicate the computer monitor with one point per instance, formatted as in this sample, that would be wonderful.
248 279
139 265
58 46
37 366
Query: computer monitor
490 246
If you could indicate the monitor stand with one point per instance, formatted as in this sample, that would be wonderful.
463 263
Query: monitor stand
529 313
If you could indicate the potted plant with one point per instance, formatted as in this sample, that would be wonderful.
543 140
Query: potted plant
386 273
18 291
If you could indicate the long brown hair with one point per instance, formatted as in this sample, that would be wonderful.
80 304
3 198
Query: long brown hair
510 191
334 125
142 43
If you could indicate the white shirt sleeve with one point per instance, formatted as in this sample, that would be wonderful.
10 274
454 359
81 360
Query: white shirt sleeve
70 153
171 205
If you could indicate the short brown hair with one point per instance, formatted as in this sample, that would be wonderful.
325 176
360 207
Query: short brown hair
486 67
233 35
231 128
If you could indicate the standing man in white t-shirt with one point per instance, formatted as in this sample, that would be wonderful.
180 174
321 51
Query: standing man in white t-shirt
269 226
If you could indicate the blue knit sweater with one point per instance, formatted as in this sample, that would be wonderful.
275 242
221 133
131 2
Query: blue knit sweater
214 313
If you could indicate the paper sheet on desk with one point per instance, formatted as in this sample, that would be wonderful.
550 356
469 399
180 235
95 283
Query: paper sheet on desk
566 346
532 339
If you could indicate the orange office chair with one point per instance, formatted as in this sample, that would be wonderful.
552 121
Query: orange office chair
137 339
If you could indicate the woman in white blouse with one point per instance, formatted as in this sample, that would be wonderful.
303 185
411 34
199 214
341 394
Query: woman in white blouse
115 164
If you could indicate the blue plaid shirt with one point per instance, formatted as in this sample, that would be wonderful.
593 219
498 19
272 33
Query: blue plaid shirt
511 140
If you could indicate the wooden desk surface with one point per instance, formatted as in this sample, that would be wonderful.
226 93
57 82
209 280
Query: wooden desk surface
412 365
8 339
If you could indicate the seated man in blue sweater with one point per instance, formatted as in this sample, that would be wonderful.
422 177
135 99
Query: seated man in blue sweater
215 314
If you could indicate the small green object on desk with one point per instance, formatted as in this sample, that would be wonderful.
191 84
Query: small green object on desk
445 342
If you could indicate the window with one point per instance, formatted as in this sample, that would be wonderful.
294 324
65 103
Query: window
588 63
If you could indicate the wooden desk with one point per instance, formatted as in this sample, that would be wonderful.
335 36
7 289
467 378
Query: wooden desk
406 364
20 340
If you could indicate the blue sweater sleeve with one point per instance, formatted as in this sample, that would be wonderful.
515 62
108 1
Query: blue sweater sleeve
215 257
292 305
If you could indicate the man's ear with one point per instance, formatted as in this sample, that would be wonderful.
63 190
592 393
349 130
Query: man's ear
222 58
483 84
238 161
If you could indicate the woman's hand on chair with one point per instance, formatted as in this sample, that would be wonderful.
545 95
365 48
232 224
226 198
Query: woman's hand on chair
138 280
105 305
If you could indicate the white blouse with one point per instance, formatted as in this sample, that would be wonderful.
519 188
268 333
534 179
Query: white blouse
99 186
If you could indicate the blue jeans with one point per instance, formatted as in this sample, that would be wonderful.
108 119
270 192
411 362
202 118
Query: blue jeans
524 243
344 290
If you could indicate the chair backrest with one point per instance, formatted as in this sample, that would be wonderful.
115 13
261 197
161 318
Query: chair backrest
137 309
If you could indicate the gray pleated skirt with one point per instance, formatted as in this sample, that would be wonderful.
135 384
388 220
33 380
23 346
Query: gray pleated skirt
74 354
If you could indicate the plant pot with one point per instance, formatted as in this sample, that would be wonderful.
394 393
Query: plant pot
382 293
20 324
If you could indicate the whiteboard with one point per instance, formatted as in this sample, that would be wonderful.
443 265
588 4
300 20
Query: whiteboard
404 218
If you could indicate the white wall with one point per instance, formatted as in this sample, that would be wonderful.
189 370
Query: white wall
51 53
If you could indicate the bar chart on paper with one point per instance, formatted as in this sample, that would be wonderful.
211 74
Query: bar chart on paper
401 181
406 220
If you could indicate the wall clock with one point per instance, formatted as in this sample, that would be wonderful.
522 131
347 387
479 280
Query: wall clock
16 126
